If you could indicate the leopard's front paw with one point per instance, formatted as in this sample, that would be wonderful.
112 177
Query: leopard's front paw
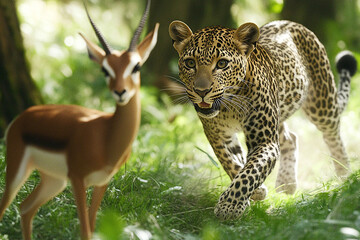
260 193
226 209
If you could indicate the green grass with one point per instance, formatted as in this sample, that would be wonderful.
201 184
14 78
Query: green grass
169 188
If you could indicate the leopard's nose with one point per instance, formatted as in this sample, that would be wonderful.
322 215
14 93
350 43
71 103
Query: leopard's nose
202 93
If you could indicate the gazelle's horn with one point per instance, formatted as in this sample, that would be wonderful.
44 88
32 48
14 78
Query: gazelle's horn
139 29
101 38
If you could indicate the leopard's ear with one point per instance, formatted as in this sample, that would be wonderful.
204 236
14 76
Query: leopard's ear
180 33
245 37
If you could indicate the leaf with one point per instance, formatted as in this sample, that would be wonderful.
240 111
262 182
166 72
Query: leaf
111 226
209 156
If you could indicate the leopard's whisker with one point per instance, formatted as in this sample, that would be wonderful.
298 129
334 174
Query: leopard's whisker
242 102
240 98
234 103
174 91
181 100
174 78
227 105
246 82
245 102
236 96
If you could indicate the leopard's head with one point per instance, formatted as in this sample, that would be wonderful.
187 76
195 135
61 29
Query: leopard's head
212 63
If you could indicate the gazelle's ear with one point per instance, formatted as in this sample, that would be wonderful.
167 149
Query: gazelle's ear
180 34
245 37
95 52
147 45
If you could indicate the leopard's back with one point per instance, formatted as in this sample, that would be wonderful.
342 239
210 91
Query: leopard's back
299 58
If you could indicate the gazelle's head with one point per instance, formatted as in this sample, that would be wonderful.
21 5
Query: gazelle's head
122 68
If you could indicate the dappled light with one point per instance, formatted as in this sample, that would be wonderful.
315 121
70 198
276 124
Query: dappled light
169 187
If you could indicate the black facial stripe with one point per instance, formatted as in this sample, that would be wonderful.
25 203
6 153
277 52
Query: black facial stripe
136 68
105 71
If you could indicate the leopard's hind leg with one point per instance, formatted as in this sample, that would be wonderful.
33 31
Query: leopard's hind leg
324 106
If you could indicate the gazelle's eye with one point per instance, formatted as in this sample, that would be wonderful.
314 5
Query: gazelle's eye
136 68
222 63
105 72
190 63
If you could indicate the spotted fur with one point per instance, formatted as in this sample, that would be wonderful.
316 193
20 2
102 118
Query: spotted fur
267 75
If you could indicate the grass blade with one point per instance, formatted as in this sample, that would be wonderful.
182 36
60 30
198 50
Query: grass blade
209 156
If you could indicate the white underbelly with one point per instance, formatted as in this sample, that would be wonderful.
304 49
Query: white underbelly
51 163
55 164
100 177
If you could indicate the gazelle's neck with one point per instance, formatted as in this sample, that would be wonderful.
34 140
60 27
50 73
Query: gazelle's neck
123 128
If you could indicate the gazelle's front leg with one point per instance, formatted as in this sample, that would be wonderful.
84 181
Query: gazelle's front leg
80 198
230 154
97 197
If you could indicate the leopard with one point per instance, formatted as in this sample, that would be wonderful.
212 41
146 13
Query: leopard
251 80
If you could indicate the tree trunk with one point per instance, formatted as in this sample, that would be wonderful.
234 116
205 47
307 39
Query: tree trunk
196 14
313 14
17 90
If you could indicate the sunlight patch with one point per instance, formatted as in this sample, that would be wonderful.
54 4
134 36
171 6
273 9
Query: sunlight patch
351 232
142 234
172 189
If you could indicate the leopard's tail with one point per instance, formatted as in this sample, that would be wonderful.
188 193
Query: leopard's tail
346 66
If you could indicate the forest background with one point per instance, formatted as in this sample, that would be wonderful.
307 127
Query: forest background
44 60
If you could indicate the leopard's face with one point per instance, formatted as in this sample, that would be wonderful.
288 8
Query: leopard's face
211 69
212 66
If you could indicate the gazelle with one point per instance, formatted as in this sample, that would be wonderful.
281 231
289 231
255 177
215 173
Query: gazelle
85 146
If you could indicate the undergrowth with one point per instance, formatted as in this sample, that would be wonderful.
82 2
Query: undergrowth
169 187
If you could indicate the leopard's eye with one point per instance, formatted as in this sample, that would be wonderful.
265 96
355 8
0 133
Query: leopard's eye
222 63
190 63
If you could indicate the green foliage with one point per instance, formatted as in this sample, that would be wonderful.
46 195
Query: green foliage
275 6
169 187
112 226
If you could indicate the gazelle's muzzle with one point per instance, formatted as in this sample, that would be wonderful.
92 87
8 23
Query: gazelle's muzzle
123 97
